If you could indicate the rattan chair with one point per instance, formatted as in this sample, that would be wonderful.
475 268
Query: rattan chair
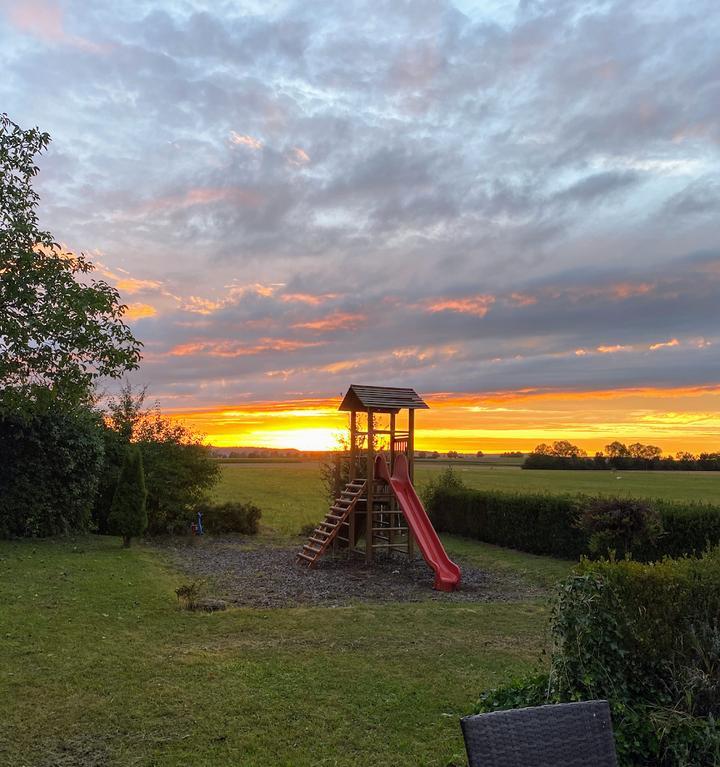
564 735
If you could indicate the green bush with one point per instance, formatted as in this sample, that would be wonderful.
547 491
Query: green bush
231 517
51 462
646 638
540 524
179 468
619 525
549 524
128 515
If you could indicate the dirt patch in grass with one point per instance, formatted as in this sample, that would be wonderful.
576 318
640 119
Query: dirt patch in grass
266 576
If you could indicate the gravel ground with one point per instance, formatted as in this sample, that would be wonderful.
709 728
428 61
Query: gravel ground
251 574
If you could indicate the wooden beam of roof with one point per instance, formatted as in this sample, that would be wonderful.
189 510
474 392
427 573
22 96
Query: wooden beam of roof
381 399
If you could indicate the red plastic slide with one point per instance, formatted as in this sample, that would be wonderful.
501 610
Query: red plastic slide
447 573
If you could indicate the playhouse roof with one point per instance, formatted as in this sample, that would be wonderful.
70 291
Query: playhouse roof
384 399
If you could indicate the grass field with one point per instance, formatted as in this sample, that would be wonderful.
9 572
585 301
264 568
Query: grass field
101 667
291 495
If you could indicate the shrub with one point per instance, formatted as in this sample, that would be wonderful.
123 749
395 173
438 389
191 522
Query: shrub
51 462
548 524
647 638
179 468
619 525
446 480
128 515
540 524
231 517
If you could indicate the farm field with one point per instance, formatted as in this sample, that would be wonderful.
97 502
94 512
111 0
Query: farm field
291 495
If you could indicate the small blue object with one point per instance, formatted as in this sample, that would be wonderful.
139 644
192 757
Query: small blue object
199 523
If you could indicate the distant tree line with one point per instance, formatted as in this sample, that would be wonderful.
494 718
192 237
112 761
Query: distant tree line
618 456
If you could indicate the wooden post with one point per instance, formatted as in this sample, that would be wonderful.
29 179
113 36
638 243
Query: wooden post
352 535
353 440
411 445
392 442
411 470
370 478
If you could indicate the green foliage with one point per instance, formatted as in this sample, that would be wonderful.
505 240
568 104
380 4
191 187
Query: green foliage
179 468
51 462
58 329
447 480
647 638
619 525
538 523
128 515
230 517
550 524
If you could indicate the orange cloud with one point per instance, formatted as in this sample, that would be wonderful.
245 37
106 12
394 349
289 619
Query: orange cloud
308 298
244 140
664 344
132 285
613 349
478 306
335 321
235 349
138 311
523 299
298 156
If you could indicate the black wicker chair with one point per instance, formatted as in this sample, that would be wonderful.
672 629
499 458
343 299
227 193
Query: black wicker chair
564 735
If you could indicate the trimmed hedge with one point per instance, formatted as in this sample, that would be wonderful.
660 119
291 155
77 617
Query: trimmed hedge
547 524
646 638
540 524
231 517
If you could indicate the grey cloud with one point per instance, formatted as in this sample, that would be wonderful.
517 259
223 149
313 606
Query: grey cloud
450 154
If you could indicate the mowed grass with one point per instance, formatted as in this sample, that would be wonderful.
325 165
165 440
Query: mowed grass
101 667
291 495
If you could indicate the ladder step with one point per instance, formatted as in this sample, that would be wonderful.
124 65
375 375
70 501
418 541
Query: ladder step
311 548
318 540
389 529
305 556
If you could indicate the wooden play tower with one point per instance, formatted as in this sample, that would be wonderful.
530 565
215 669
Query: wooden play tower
365 518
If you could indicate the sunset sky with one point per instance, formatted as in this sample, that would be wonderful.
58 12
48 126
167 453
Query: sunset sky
513 208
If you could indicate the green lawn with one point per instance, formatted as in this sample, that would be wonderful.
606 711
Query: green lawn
101 667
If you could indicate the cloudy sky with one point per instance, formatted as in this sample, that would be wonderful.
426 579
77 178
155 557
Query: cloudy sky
513 207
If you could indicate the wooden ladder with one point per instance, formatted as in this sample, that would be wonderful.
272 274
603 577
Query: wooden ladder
328 530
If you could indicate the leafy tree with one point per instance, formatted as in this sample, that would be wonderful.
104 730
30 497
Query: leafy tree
59 329
617 450
128 514
479 454
179 468
560 449
647 452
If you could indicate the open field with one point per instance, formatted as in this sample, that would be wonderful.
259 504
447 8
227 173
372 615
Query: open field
291 495
100 667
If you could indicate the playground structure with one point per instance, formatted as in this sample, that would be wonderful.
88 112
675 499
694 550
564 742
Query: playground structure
378 510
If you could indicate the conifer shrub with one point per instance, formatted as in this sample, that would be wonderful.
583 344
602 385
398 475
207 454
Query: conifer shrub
128 515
